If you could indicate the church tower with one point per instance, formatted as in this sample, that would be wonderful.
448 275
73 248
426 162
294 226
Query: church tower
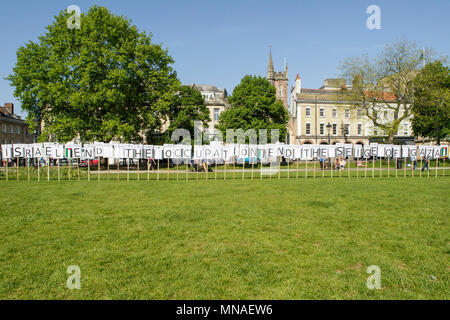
279 80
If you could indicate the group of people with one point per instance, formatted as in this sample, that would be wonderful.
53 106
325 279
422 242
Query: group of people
339 164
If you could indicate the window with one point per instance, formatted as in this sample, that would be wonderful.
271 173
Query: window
347 129
385 114
347 113
359 113
359 128
334 129
322 112
375 132
308 128
11 129
17 130
4 128
216 114
322 129
308 112
334 113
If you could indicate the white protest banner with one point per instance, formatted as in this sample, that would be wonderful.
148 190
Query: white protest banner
381 150
198 152
28 151
88 151
358 151
243 151
58 151
279 149
17 150
332 151
38 150
396 151
306 152
73 151
6 151
47 149
437 152
389 151
289 152
158 152
366 152
147 151
168 151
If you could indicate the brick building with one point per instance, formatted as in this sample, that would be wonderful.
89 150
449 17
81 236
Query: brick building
12 128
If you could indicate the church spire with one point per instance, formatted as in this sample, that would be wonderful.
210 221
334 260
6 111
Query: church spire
270 70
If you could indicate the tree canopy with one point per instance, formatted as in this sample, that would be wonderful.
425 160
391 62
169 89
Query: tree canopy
384 84
104 81
254 106
431 107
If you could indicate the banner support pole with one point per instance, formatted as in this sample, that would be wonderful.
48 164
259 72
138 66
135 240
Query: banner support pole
365 168
89 169
357 168
157 170
118 169
138 169
128 169
380 167
437 166
17 168
373 166
331 167
78 169
314 169
389 166
69 169
404 169
28 169
288 167
98 167
59 176
48 169
279 167
168 169
306 169
296 170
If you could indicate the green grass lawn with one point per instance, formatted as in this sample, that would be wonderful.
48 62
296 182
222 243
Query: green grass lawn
233 239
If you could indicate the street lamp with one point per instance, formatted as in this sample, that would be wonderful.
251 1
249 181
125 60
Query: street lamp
329 132
344 131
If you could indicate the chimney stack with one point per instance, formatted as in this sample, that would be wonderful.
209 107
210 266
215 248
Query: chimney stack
10 107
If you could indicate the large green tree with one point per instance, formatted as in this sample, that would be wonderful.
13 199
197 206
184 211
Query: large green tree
431 107
254 106
180 110
384 85
101 82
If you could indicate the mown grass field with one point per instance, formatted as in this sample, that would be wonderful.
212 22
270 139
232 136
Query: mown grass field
233 239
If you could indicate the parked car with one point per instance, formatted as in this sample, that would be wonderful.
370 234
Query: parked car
92 162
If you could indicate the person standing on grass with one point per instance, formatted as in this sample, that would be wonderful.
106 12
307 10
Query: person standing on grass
152 164
343 163
336 164
413 160
425 163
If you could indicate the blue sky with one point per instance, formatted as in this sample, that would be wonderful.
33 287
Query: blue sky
218 42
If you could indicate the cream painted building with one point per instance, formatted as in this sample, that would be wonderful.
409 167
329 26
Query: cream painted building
321 115
215 100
